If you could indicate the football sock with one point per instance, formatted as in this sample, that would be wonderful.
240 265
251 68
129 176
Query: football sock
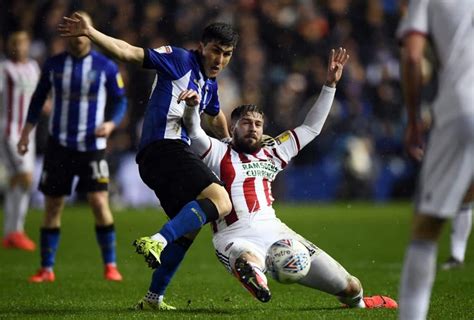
153 297
21 198
191 217
106 239
171 258
9 216
354 302
49 240
460 230
326 274
417 279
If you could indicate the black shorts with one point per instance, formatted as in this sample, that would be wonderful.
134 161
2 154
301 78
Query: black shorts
174 172
61 164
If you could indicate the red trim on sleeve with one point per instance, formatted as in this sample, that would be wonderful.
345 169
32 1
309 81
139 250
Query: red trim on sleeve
296 139
283 162
207 151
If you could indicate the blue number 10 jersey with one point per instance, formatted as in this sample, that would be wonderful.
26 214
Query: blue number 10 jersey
177 69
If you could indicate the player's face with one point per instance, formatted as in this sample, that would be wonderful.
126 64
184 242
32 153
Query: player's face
19 46
247 133
79 46
215 57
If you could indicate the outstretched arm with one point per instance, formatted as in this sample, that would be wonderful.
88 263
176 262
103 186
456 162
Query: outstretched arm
200 141
77 26
319 112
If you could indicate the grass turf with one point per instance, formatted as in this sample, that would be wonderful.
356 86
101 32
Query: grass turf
369 240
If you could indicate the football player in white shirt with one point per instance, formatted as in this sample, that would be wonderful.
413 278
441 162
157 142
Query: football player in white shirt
18 78
447 174
247 166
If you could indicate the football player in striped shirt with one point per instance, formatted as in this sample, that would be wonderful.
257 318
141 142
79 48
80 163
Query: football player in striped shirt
18 78
189 191
248 166
82 82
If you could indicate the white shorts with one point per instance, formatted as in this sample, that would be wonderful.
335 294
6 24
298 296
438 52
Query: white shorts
14 162
256 237
448 168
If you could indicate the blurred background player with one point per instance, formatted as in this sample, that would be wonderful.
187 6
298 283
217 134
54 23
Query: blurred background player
447 174
82 82
18 78
248 166
189 192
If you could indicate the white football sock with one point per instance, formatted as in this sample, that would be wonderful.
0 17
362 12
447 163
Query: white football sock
460 230
160 238
417 279
153 297
21 202
9 217
327 275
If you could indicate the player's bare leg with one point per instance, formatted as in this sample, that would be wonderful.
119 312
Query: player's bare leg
219 196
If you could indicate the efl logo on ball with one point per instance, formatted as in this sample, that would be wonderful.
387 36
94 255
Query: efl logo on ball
288 260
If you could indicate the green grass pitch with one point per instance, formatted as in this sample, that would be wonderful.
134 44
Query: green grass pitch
369 240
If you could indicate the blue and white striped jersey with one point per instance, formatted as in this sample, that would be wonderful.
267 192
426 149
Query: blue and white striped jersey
81 89
177 69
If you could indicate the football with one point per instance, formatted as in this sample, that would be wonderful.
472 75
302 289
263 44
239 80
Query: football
288 260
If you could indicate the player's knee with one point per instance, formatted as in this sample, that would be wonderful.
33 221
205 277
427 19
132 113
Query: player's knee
353 287
219 197
98 200
222 201
427 227
24 180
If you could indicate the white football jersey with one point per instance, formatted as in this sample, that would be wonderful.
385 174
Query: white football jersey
450 26
17 84
248 177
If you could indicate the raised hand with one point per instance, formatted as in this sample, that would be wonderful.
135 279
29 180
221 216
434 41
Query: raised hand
74 26
190 96
337 60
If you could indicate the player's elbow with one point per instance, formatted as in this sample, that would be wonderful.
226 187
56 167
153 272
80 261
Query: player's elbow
131 54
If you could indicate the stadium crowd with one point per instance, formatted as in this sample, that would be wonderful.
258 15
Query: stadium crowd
359 153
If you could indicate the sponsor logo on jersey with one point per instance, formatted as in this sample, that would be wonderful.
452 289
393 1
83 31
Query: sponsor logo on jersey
164 49
283 137
227 247
92 76
264 169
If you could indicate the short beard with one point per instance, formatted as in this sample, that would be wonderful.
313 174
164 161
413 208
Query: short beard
241 146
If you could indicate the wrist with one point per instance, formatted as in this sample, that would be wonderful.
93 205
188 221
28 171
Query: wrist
331 84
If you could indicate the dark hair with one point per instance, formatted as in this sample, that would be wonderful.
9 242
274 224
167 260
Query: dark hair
242 110
220 32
